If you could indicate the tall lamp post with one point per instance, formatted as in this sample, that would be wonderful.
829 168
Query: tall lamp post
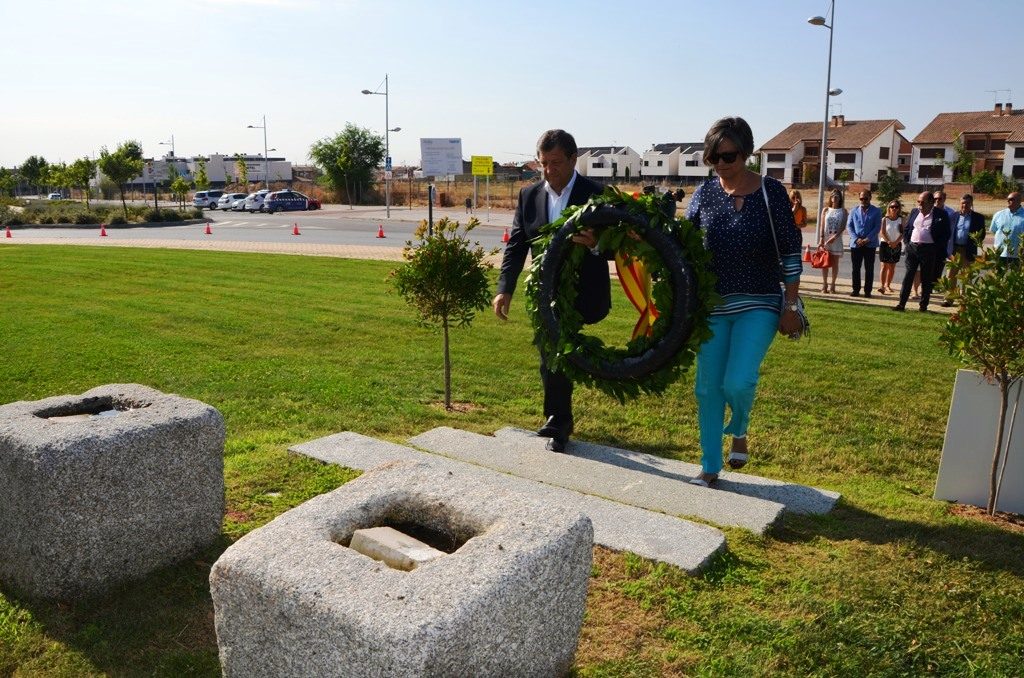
387 145
266 158
169 143
829 92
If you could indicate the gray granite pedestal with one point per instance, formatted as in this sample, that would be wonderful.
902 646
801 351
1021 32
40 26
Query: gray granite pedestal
105 487
507 599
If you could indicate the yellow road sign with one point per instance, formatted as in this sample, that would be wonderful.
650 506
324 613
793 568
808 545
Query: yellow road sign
483 165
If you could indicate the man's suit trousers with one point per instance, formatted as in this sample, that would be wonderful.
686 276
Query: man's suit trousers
927 258
863 256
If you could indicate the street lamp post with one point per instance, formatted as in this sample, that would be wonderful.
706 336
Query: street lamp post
387 146
169 143
829 92
266 158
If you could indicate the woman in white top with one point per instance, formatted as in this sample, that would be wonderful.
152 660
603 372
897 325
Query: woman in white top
891 247
833 220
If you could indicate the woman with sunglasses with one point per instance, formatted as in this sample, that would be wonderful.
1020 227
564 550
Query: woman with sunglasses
891 247
833 221
733 211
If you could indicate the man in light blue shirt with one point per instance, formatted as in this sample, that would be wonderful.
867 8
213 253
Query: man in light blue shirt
863 227
1008 225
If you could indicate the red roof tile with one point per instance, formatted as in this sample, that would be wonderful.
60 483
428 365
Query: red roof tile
945 125
853 134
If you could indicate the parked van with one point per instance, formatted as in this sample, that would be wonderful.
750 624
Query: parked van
206 199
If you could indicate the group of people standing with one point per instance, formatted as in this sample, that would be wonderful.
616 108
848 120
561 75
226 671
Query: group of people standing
751 228
928 238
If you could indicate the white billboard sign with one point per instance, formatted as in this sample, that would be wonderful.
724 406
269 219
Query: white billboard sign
440 157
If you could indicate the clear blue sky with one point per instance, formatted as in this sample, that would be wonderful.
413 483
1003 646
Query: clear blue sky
81 75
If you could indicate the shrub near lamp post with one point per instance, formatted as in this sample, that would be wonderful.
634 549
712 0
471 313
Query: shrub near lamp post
829 92
387 146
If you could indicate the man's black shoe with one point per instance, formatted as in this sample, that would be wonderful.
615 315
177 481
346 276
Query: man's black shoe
899 307
947 303
554 427
854 294
557 444
867 295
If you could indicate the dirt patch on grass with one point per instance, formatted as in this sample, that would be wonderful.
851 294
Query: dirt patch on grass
617 627
1008 521
461 408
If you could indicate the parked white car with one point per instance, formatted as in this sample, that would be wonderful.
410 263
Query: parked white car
228 199
239 204
55 196
254 201
206 199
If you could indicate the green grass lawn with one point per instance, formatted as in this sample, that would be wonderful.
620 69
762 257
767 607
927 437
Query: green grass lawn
892 583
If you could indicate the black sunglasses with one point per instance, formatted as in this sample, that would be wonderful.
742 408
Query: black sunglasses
728 157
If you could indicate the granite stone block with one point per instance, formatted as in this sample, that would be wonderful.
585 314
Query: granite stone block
507 599
104 487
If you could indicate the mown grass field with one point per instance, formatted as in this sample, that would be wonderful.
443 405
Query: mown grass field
892 583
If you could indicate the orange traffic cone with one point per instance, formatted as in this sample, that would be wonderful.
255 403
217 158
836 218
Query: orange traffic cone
504 237
380 231
208 230
295 229
9 232
103 230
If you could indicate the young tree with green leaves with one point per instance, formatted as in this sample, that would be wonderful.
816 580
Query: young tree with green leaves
56 177
177 185
122 166
962 163
33 171
8 181
243 172
445 280
348 160
80 175
987 333
202 180
890 187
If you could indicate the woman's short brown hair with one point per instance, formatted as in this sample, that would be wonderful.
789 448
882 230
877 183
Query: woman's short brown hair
795 195
735 130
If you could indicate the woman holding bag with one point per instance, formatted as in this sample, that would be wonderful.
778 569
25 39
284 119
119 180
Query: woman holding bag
748 229
833 220
891 247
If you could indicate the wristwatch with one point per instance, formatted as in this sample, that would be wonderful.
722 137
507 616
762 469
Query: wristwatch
595 250
794 306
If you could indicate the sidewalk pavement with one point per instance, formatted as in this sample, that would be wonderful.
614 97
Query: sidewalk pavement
810 282
499 218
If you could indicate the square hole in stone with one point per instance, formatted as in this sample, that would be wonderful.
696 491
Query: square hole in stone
434 524
90 408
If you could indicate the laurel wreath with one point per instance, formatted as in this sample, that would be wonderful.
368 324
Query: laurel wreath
568 350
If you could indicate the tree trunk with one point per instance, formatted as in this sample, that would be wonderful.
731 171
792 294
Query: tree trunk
447 369
124 205
1004 389
1009 441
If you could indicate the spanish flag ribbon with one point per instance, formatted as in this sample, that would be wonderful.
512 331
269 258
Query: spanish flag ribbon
636 282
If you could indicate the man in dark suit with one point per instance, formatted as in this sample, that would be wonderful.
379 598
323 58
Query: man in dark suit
540 204
965 226
927 236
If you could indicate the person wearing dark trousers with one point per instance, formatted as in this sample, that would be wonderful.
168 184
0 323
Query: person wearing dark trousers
539 204
863 227
966 227
927 236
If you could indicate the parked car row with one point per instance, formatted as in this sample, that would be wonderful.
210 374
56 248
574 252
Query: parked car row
260 201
